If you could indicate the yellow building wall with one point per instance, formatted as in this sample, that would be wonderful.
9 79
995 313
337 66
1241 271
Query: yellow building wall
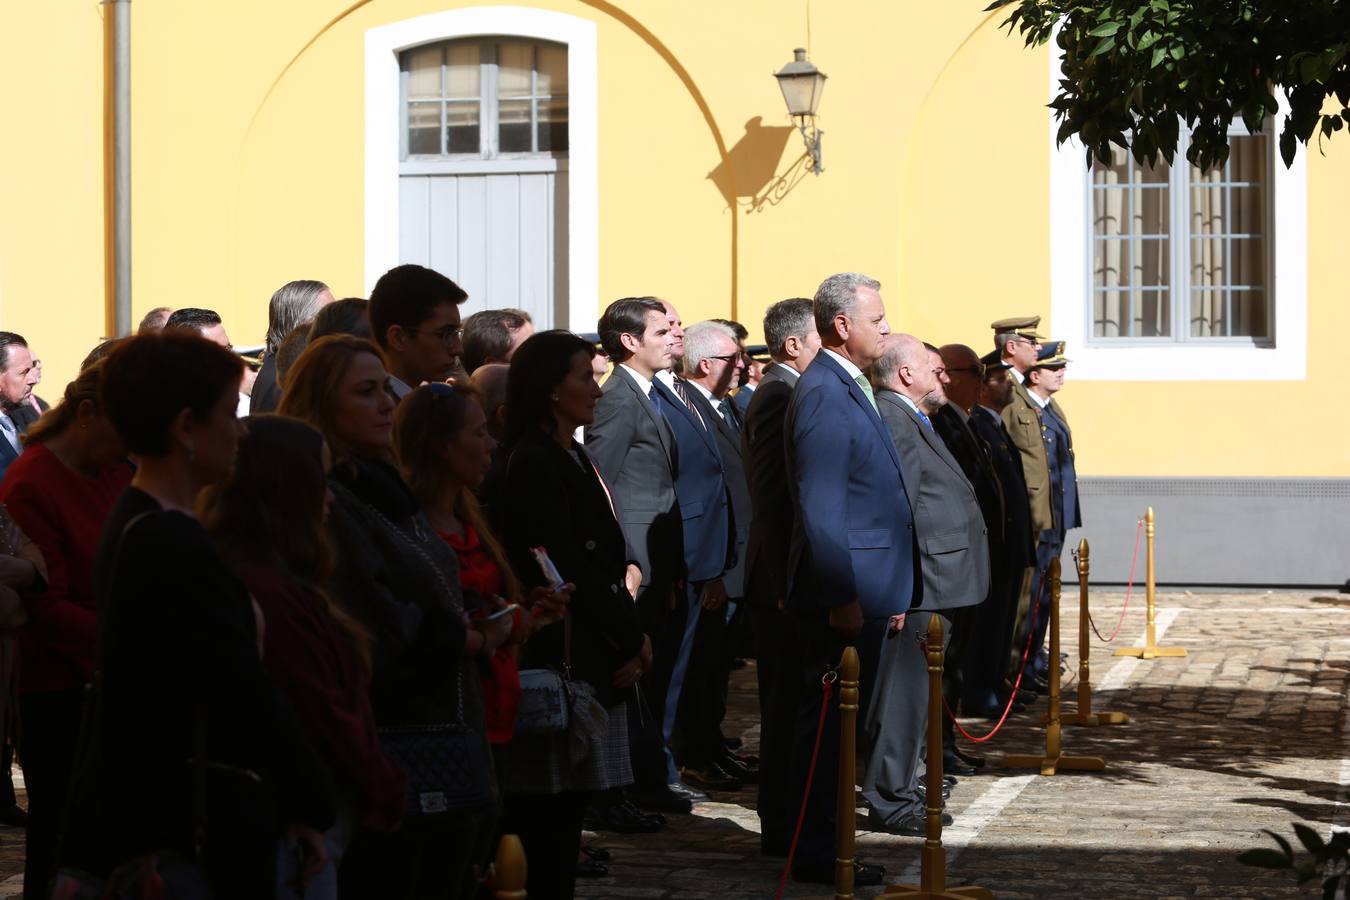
248 171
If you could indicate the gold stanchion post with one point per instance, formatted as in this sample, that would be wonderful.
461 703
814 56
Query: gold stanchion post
845 811
933 878
1084 714
508 873
1054 759
1150 650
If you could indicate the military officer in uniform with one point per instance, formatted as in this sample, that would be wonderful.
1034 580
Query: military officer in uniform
1018 346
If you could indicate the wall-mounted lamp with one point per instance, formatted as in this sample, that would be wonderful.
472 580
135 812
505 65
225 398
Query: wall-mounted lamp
802 84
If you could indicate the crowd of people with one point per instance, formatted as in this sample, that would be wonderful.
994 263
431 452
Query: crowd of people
330 622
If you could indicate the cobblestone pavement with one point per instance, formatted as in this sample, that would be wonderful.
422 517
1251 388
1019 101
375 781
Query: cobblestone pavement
1247 732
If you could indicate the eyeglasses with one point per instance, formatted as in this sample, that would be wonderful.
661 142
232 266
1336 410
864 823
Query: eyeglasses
728 358
448 335
940 371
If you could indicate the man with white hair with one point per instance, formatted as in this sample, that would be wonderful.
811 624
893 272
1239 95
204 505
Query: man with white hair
713 363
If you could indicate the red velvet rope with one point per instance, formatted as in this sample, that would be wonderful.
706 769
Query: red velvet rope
1129 589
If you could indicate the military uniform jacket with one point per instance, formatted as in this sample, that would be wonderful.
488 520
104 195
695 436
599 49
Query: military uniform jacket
1054 421
1023 420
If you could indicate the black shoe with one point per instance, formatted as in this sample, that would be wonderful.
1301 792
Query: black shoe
864 874
589 868
711 777
661 799
599 854
969 759
923 794
912 825
645 814
692 794
740 768
14 817
953 764
623 818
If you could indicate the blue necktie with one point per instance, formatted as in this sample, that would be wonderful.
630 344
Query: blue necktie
653 396
927 421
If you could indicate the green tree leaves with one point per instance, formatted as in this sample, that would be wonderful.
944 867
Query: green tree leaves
1134 69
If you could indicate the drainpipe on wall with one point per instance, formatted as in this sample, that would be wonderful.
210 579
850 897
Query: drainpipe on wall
121 166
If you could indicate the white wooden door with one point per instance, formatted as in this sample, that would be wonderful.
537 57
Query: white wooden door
502 236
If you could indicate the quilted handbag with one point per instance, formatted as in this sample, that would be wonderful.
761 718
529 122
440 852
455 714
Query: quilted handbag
446 765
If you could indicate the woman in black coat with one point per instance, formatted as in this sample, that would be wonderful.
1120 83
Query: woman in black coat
179 649
553 498
401 582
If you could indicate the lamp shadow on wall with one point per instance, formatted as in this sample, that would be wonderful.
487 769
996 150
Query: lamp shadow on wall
749 178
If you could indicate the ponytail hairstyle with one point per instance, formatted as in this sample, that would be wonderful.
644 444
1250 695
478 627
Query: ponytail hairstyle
56 420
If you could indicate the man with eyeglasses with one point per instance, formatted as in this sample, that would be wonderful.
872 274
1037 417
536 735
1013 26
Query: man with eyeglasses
1019 345
414 314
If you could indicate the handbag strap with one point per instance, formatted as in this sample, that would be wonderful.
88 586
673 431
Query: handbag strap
400 535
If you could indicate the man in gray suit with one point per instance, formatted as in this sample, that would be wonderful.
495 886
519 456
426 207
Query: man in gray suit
954 560
634 449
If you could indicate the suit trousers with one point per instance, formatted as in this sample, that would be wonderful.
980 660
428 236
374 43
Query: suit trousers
779 666
821 649
703 703
1048 549
896 722
957 662
1018 638
646 740
991 636
684 636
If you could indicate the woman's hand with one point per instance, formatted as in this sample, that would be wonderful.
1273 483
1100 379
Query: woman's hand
547 605
493 632
309 844
627 674
632 579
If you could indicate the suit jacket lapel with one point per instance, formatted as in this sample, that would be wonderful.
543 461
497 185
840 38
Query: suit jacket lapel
662 427
705 431
860 398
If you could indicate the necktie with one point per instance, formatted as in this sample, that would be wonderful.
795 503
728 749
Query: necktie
729 413
653 396
927 421
11 433
682 391
867 389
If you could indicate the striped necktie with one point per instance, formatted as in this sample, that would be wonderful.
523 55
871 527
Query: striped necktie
682 391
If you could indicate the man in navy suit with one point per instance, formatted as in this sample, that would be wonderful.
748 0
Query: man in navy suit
790 332
713 364
708 541
852 559
18 374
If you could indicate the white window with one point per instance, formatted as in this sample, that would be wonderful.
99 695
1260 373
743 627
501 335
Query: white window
484 98
1183 256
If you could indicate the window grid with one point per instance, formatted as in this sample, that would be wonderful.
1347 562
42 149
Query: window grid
1215 303
488 105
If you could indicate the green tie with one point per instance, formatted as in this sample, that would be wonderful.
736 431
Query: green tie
867 389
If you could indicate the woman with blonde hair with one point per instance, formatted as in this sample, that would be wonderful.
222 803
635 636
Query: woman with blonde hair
402 584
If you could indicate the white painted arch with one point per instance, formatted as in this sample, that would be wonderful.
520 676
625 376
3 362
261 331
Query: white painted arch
383 46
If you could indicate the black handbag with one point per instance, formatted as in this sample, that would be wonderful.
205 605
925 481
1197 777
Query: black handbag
446 763
446 766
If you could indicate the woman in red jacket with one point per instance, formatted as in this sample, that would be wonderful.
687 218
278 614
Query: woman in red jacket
60 491
268 519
